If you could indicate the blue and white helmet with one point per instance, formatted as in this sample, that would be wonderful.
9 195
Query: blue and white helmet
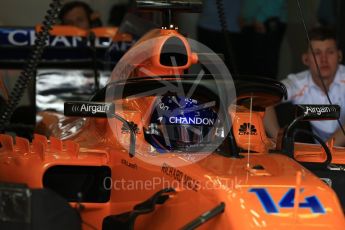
182 124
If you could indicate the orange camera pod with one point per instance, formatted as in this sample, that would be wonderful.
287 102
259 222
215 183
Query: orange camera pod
152 64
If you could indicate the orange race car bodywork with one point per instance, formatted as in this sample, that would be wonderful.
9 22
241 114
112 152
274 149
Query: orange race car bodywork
317 154
260 190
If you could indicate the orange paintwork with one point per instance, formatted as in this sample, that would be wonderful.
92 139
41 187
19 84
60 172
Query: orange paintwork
315 153
112 32
147 62
218 178
200 185
108 32
259 142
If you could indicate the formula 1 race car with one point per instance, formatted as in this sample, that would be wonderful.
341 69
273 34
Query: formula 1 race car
172 142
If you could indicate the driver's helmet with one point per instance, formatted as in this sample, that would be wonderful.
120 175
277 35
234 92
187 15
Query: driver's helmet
183 124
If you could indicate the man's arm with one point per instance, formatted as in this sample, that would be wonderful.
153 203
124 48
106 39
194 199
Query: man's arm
339 138
271 122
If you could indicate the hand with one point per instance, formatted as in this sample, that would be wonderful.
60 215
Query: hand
241 22
259 27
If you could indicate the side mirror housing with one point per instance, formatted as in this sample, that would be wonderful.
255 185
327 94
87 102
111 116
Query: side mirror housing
308 112
317 112
88 109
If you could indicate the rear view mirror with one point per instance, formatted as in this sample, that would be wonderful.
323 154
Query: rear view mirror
318 112
100 109
307 113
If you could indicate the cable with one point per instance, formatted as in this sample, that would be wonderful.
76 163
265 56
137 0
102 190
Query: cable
315 61
92 39
250 129
28 74
228 46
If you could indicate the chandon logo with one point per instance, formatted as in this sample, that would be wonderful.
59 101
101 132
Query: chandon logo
91 108
318 110
191 120
247 129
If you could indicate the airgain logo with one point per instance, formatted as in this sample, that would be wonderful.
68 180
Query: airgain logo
247 129
88 109
319 110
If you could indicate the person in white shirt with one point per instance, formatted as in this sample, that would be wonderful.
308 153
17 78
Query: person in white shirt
306 87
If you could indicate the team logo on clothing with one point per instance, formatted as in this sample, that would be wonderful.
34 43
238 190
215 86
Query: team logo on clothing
247 129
